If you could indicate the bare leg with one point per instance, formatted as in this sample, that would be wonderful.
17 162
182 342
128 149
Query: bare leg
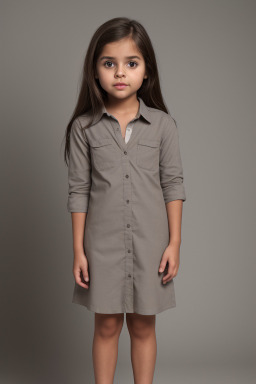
143 346
105 346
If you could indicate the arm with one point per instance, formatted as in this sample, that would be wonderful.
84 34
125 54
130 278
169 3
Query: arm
171 178
79 170
170 164
80 264
78 225
174 212
79 183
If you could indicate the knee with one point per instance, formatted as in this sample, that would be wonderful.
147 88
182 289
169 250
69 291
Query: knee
108 326
141 326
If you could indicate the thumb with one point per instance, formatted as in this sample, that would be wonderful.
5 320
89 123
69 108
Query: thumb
162 264
85 273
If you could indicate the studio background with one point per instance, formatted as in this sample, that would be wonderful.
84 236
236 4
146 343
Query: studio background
206 57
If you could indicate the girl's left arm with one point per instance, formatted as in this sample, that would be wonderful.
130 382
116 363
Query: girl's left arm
170 164
174 212
172 252
171 179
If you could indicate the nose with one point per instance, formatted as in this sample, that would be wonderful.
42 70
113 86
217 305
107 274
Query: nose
119 71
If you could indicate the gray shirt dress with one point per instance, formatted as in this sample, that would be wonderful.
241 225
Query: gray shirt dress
124 186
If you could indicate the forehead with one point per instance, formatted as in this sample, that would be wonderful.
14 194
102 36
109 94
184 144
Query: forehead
121 49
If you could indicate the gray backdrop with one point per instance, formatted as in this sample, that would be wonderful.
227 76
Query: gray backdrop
206 55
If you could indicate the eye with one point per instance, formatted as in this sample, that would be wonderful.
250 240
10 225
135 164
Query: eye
106 62
134 62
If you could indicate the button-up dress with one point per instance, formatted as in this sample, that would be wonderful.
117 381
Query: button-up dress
124 185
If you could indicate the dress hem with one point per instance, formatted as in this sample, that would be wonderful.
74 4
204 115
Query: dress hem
146 312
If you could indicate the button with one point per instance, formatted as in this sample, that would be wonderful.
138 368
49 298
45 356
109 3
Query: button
129 275
128 225
125 152
129 251
127 201
126 176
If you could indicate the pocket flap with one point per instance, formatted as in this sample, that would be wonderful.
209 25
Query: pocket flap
100 142
149 143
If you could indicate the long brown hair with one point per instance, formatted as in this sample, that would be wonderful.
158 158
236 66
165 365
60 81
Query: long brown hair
92 96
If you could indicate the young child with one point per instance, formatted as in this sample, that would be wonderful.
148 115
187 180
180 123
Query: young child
125 194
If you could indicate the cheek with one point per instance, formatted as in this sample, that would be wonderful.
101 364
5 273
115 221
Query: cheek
138 78
104 77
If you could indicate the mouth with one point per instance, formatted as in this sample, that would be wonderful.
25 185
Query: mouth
120 85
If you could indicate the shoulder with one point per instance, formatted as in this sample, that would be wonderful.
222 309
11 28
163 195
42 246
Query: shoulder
79 125
164 121
82 120
161 116
77 131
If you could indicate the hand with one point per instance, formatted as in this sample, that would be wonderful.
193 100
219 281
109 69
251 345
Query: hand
80 269
172 256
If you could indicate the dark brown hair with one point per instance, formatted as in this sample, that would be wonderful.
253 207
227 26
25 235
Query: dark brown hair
92 96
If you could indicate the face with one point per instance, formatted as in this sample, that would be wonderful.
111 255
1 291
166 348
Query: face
121 62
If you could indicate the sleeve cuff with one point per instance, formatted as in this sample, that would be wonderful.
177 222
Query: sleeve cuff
175 192
77 203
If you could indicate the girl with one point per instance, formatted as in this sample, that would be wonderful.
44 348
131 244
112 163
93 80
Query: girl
125 194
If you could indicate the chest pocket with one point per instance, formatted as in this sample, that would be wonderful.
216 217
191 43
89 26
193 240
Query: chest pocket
104 155
148 154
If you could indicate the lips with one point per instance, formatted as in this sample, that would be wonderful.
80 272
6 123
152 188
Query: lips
120 86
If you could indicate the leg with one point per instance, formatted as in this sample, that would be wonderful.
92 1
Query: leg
105 346
143 346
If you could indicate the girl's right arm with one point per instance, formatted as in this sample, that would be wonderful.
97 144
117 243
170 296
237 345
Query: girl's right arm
80 265
79 185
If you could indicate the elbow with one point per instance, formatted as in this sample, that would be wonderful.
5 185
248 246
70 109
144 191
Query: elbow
78 202
79 186
78 196
173 190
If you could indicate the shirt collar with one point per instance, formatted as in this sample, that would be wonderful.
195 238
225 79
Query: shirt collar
143 111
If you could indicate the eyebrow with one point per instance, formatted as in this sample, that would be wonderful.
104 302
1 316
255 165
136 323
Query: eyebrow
113 58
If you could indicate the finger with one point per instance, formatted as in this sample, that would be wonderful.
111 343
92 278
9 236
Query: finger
83 285
85 274
166 278
168 275
162 265
168 281
169 271
78 279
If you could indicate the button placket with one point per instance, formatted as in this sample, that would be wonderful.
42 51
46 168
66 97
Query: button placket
128 302
128 293
127 190
129 130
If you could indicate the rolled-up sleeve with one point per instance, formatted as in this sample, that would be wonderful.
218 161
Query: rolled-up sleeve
171 171
79 170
